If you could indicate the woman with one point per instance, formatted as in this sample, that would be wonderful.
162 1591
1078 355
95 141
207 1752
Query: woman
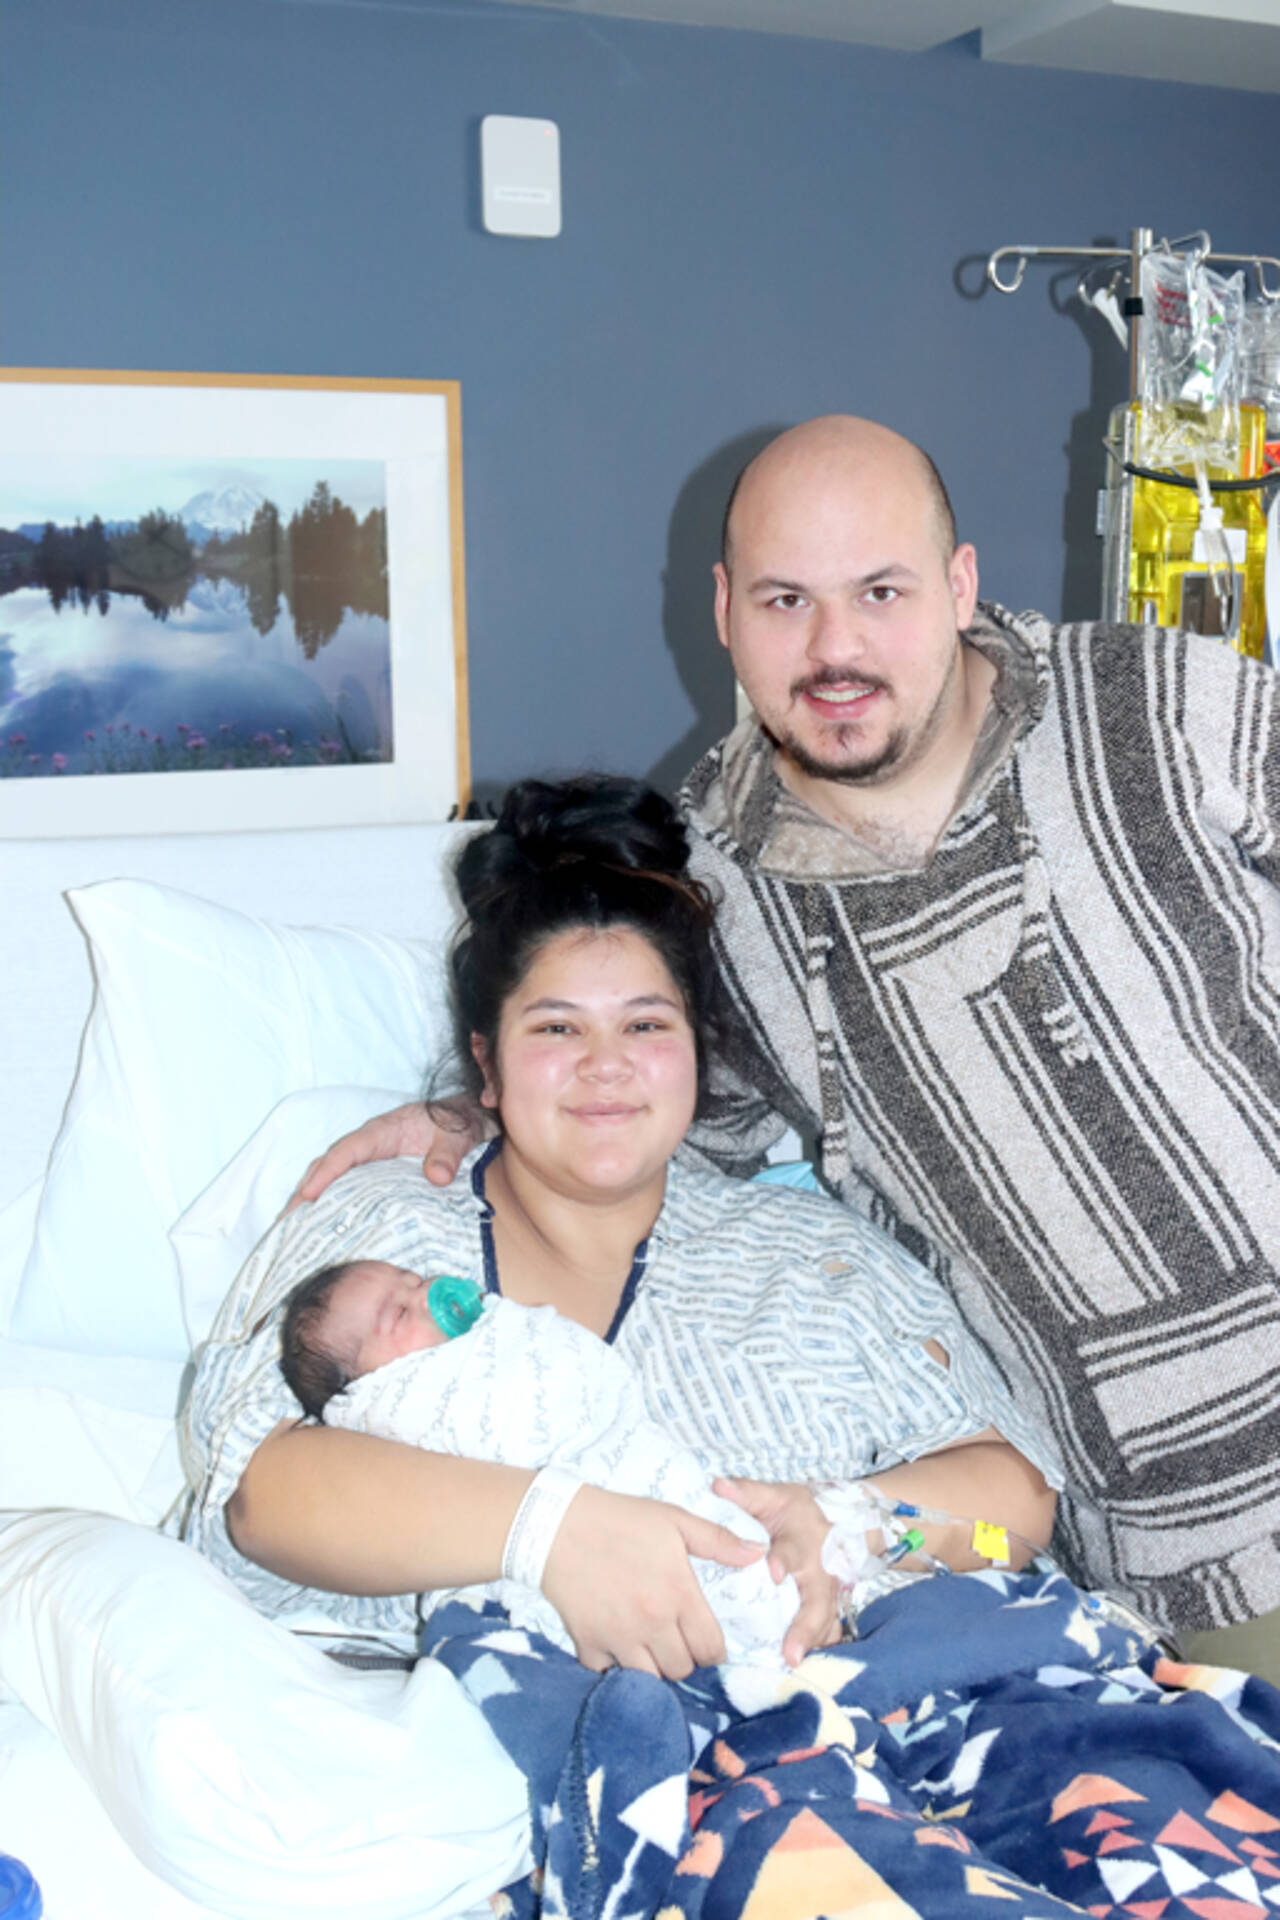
981 1740
587 1003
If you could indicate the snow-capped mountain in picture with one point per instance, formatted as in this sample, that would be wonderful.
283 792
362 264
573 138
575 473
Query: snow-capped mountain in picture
219 510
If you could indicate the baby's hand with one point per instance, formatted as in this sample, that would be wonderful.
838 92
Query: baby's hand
797 1528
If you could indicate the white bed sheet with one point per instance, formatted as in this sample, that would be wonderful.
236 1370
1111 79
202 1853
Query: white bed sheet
85 1871
50 1820
81 1430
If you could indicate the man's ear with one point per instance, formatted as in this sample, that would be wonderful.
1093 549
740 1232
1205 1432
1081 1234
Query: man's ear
963 575
722 602
480 1054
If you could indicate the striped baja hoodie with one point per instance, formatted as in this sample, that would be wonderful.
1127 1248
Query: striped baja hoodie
1048 1061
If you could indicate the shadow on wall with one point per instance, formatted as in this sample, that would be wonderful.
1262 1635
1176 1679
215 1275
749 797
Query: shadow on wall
1086 460
1081 593
688 623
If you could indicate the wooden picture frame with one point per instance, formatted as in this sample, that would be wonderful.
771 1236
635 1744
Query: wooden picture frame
229 601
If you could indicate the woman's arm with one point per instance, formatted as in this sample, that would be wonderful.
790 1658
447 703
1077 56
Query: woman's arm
979 1478
984 1478
350 1513
355 1514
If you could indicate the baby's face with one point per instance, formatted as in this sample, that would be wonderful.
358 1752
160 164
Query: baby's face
378 1312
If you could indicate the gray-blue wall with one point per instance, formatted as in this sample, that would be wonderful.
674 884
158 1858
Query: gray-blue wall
756 229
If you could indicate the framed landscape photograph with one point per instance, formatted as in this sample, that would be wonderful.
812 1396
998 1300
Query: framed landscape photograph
229 601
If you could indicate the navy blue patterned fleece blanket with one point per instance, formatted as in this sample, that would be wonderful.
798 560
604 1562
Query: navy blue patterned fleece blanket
992 1745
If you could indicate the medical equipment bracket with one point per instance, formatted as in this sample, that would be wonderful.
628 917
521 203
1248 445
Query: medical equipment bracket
1141 241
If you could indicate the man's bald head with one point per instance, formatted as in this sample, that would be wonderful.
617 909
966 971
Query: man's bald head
841 443
843 604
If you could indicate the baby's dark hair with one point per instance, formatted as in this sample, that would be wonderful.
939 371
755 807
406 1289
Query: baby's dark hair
594 852
313 1372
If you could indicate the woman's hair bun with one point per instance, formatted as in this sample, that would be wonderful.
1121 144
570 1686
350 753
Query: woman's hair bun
602 819
580 857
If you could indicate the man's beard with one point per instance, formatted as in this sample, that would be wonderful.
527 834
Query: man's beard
850 774
901 746
861 773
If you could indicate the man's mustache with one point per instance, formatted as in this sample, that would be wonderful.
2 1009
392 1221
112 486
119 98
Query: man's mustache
833 677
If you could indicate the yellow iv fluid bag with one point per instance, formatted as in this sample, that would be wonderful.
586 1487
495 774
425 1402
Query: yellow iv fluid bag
1154 540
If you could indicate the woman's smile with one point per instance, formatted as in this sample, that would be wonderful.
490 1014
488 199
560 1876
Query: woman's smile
600 1111
596 1073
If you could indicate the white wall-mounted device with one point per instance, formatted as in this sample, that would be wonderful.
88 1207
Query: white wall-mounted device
520 175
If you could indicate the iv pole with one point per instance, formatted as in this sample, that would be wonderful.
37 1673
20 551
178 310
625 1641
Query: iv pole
1141 241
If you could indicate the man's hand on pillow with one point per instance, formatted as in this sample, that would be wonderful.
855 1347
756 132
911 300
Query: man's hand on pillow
442 1135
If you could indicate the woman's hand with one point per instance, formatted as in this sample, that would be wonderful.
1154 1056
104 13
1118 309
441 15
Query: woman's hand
797 1527
404 1130
618 1574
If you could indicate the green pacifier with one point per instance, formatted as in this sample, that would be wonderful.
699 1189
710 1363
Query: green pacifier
455 1304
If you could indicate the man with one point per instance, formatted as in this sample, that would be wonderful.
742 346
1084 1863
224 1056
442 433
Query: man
1000 910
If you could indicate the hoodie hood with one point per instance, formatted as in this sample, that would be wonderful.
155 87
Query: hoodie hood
743 806
986 878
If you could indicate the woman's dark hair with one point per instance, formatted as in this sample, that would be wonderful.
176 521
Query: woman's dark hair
594 852
313 1372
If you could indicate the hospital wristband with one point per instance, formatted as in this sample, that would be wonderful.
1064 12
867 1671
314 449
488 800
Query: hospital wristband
536 1524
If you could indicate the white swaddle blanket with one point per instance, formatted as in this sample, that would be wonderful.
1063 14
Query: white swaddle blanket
528 1388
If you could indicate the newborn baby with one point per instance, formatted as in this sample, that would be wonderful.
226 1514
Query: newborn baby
374 1348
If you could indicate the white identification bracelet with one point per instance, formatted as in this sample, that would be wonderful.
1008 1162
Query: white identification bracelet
536 1524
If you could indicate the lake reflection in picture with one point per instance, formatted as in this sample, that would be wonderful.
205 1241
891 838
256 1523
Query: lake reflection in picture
241 622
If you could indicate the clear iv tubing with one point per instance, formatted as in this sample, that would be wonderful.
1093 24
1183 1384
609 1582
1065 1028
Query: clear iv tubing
1217 552
855 1510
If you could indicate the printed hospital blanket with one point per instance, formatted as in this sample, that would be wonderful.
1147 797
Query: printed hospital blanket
993 1747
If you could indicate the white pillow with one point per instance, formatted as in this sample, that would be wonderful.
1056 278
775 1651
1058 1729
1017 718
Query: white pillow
17 1225
220 1229
203 1019
82 1430
239 1762
60 1449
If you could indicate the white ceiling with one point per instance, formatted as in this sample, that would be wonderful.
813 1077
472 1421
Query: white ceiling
1226 43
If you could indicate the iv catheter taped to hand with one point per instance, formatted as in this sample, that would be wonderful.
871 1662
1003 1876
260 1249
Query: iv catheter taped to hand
859 1510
